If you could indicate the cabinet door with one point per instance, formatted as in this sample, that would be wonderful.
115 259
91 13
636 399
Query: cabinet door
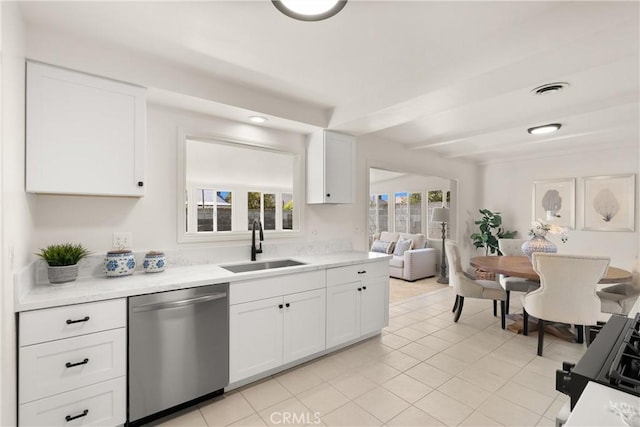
338 167
330 158
343 313
85 134
255 337
304 324
374 304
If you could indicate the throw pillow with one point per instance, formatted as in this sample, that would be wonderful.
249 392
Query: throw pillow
402 246
381 246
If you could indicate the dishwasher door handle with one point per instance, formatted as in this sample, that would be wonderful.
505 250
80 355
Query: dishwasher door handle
180 303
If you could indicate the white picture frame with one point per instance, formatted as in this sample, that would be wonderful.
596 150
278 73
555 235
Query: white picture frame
554 201
609 202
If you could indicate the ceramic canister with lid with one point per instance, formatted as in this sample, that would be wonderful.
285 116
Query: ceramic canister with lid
154 262
119 263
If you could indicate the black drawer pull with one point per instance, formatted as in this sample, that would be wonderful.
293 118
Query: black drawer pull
71 365
85 319
362 272
83 414
364 287
280 306
360 289
287 305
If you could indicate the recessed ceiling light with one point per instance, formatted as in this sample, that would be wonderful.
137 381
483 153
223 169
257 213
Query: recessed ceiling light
309 10
257 119
549 88
539 130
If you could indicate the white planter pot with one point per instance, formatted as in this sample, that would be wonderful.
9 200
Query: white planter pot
62 273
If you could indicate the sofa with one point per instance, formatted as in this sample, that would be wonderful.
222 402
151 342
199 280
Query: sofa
412 259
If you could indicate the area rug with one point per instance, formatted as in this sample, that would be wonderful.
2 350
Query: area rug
400 290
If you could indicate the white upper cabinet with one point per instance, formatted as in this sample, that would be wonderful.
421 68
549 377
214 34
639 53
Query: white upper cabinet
85 134
330 158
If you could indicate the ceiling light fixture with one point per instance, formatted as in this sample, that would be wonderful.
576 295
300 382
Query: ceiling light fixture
539 130
549 88
257 119
309 10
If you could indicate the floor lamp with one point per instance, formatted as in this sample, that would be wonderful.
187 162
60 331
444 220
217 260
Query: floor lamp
441 215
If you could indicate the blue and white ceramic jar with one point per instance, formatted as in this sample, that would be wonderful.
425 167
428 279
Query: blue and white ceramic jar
119 263
154 262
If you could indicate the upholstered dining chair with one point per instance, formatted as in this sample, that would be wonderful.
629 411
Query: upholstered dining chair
567 292
513 247
466 287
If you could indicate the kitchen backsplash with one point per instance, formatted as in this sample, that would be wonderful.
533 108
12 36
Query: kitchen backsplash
93 265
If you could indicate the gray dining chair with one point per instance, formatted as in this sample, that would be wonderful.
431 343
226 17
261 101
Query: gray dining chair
513 247
466 287
567 292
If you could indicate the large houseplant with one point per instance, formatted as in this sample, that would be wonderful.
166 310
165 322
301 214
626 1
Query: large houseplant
490 231
62 260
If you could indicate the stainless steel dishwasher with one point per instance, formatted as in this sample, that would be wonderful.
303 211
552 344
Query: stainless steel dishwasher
178 350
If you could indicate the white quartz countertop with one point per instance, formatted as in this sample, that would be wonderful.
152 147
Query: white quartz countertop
173 278
594 406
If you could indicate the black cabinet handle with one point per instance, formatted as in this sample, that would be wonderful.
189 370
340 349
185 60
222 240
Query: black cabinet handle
328 194
83 414
362 272
360 289
140 184
71 365
70 322
280 306
364 287
287 305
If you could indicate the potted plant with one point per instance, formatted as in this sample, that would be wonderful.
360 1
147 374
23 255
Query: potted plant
490 231
62 260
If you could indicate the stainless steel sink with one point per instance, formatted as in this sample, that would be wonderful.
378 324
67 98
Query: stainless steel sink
264 265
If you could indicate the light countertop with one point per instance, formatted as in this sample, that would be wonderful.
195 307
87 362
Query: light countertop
103 288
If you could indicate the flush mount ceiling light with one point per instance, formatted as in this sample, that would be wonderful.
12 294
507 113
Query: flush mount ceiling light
257 119
539 130
549 88
309 10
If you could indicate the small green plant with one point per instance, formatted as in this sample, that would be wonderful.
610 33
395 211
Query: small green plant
491 222
63 254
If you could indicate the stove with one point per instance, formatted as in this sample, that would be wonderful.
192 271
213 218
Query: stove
612 359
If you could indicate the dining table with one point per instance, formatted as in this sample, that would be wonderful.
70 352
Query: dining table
520 266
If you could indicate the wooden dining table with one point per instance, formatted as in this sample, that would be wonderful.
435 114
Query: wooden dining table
520 266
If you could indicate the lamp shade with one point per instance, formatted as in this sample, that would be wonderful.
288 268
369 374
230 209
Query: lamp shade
440 215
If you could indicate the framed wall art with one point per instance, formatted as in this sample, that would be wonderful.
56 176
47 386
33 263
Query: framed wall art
609 203
554 201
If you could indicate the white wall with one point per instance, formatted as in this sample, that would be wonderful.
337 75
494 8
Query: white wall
508 189
411 183
16 221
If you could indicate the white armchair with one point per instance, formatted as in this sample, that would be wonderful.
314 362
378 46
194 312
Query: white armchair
415 263
567 292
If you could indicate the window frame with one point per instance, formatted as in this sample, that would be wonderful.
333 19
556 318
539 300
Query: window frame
297 192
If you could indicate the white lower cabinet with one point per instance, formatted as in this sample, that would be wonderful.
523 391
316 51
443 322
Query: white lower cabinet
255 337
72 365
268 333
102 404
357 301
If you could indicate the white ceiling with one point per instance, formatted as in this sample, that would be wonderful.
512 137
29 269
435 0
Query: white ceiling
453 77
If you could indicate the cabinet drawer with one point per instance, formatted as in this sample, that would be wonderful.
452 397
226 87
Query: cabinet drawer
59 366
72 320
104 404
352 273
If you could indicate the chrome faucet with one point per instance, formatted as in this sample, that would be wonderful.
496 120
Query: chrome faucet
255 250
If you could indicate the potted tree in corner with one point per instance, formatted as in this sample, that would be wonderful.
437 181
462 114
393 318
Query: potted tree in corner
62 260
490 231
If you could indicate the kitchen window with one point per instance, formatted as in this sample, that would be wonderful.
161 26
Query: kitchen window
228 184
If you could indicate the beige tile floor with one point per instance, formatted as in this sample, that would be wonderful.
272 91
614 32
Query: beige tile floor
423 370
